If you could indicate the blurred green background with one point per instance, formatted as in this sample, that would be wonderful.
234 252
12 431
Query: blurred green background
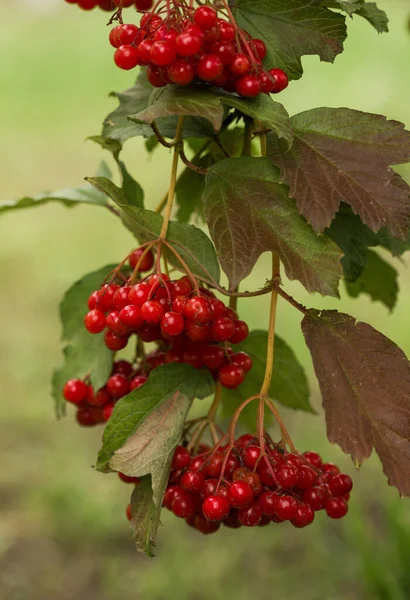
63 533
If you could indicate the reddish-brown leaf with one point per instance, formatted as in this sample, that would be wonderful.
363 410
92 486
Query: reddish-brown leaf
342 154
365 383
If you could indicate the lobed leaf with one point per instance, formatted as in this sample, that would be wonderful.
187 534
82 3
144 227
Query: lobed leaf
165 382
248 212
291 29
368 10
378 280
365 383
84 353
289 383
345 155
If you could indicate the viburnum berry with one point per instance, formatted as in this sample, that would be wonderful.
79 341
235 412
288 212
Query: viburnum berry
118 386
107 411
114 323
250 456
205 17
340 485
304 516
209 67
281 79
181 458
248 86
94 321
316 497
231 376
183 505
163 53
240 494
137 381
250 517
243 360
240 66
215 508
115 342
241 332
223 329
152 311
75 391
192 481
127 57
197 309
336 508
84 417
188 43
143 5
181 72
146 263
100 399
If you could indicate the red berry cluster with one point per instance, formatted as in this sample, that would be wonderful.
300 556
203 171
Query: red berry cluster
95 407
110 5
196 45
244 488
192 328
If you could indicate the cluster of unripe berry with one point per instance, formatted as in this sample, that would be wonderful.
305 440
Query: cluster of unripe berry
110 5
194 328
245 488
95 407
196 45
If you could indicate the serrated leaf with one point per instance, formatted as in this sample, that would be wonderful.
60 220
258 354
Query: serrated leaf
248 212
289 383
378 280
365 383
84 353
173 101
292 29
342 154
368 10
69 197
145 516
132 410
191 243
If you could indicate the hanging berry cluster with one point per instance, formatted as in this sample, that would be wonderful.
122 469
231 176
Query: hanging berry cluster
110 5
182 45
240 487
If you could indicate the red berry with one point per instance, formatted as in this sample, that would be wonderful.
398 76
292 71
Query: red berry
227 30
330 468
304 516
131 317
197 309
118 386
259 48
179 303
281 79
128 512
287 477
114 324
267 82
181 287
192 481
315 497
250 517
241 332
313 458
188 43
267 502
123 3
245 440
209 67
240 65
115 342
87 4
181 72
144 50
205 17
139 294
231 376
285 507
213 357
240 494
163 53
94 321
137 382
307 477
248 86
143 4
75 391
147 262
197 332
250 456
123 35
84 417
126 57
100 399
127 478
215 508
225 51
181 458
120 298
242 360
217 308
171 493
152 311
172 323
183 505
340 485
107 411
223 329
93 300
204 526
154 76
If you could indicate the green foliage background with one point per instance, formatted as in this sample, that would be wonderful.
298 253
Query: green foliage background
63 533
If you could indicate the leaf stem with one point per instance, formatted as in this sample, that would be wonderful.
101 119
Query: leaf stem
271 331
173 180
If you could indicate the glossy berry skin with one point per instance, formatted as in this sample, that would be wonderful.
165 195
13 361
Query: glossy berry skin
340 485
127 478
204 526
114 324
215 508
181 72
248 86
94 321
316 497
172 323
205 17
223 329
281 79
225 51
267 502
171 493
137 382
130 317
287 477
240 65
241 332
267 82
240 495
138 294
250 517
285 507
118 386
183 506
188 43
120 298
181 458
242 359
107 411
231 376
313 458
126 57
85 418
154 76
192 481
258 48
307 477
163 53
115 342
152 311
100 399
336 508
304 516
147 262
197 309
144 50
75 391
123 35
213 357
209 67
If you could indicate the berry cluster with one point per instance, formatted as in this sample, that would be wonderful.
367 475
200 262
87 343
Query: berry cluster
196 45
95 407
242 487
191 325
110 5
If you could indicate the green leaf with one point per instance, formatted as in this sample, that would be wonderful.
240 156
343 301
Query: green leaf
378 280
131 411
132 190
191 243
291 29
249 212
177 101
145 516
365 383
342 154
268 113
289 383
367 10
85 194
189 190
84 353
